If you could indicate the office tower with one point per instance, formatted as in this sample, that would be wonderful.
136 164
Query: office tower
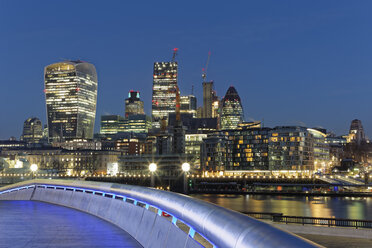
232 110
356 133
71 97
32 130
111 124
163 92
188 105
137 124
133 104
207 99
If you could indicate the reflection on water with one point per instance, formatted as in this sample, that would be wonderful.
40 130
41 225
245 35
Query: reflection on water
316 206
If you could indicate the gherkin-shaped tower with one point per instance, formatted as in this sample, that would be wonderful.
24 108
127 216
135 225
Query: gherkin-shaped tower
232 110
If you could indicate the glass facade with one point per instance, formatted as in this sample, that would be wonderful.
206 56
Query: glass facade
188 105
111 124
133 104
137 124
232 110
32 131
164 91
71 96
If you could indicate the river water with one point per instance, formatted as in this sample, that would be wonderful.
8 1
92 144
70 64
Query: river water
312 206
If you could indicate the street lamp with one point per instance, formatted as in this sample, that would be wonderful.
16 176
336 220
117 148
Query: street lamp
186 169
33 168
152 168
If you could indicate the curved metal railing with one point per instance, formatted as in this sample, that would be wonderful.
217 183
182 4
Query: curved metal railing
220 226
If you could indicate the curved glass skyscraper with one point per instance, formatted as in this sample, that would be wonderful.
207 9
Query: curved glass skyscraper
232 110
71 97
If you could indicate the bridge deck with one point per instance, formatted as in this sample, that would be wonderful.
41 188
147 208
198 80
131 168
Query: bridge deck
38 224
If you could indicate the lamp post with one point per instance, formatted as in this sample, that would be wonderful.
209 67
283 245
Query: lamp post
186 169
33 169
152 169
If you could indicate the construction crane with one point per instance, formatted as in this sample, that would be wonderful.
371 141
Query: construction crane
204 74
175 50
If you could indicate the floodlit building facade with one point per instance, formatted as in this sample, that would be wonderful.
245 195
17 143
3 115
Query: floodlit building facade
164 91
32 130
71 97
133 104
356 133
232 110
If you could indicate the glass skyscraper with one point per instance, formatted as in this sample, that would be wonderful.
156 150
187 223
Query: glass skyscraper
71 97
112 124
232 110
164 91
32 130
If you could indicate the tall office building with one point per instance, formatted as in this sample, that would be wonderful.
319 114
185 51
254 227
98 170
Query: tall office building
133 104
232 110
71 97
32 130
188 105
112 124
356 133
137 124
164 91
207 99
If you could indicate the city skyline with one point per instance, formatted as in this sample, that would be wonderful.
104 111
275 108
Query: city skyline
328 90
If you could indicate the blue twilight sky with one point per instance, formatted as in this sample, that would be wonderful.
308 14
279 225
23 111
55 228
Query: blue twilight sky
292 62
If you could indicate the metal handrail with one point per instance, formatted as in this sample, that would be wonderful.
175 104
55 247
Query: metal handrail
305 220
222 227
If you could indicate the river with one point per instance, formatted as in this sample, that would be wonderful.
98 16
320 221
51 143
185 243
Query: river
312 206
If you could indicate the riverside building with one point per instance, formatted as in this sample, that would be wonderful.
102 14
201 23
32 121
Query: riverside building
291 149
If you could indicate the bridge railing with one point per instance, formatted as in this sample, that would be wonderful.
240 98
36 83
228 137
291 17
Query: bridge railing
317 221
210 225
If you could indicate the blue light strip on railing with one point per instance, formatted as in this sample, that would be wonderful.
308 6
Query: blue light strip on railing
147 205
